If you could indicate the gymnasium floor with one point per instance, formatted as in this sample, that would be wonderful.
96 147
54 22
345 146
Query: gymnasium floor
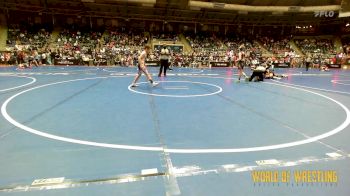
84 131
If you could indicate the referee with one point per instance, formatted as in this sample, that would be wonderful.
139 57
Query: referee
164 60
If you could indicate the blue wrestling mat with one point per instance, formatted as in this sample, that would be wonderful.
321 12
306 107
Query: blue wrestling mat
86 131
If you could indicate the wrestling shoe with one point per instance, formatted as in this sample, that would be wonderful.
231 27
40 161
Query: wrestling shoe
154 84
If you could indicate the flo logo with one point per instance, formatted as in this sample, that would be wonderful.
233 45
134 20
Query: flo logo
327 14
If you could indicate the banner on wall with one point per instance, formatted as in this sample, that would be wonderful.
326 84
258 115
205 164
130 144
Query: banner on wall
66 62
173 48
219 64
281 65
334 66
75 62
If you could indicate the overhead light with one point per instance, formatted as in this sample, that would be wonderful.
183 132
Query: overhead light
343 14
147 5
347 24
277 13
218 5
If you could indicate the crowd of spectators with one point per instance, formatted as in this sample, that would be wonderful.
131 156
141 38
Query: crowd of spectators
77 44
122 47
28 36
204 41
27 57
31 46
174 37
206 47
234 43
27 43
322 46
346 45
109 47
276 46
84 46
